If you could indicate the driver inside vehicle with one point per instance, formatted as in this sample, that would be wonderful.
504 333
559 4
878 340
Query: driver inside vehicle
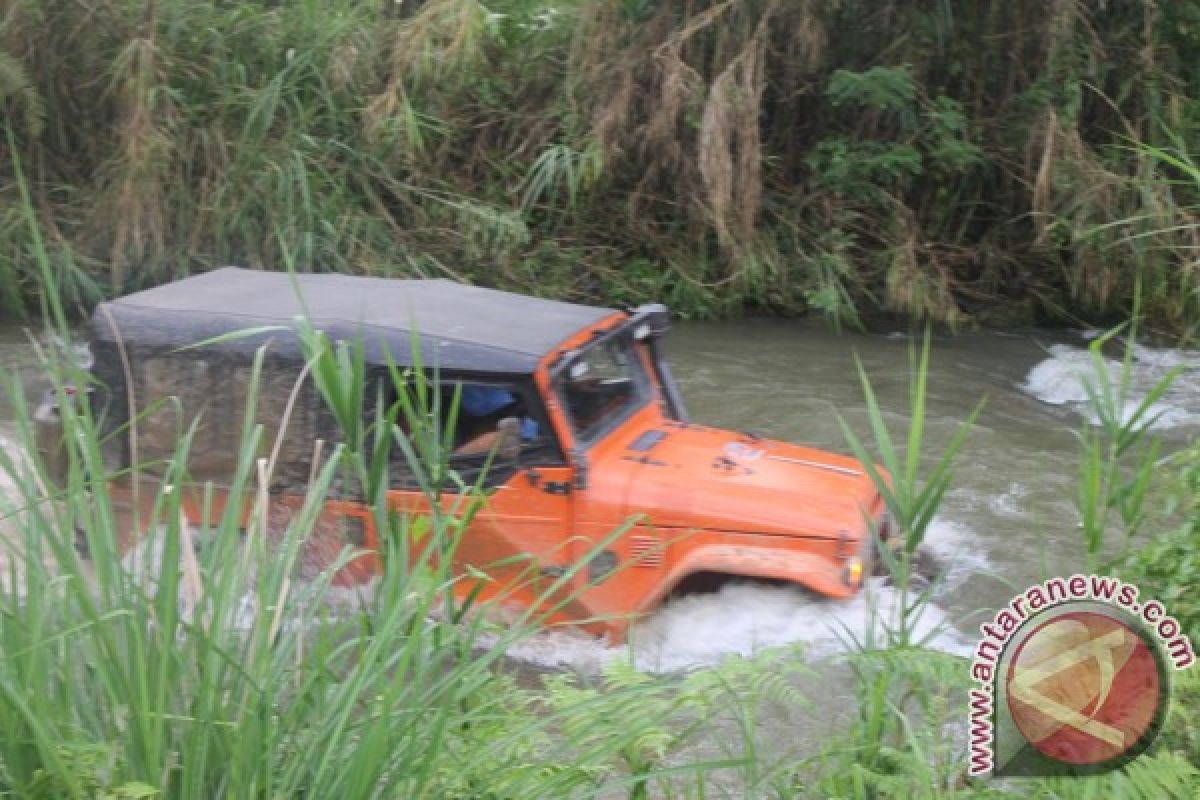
490 418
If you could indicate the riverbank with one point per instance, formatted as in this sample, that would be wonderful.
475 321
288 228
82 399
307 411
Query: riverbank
1014 164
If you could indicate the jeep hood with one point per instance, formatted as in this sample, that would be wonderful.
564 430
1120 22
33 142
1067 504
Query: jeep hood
694 477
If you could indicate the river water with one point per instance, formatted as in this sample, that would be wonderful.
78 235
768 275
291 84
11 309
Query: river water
1008 521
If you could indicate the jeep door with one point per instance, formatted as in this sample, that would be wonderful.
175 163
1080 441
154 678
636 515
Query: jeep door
519 535
608 401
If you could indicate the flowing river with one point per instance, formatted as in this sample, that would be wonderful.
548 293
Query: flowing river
1008 521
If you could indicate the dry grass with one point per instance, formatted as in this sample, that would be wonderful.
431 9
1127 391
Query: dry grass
705 137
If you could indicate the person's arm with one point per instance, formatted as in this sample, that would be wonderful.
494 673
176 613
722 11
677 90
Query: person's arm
505 440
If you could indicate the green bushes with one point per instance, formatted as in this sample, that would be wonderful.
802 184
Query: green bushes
843 157
1167 567
1170 562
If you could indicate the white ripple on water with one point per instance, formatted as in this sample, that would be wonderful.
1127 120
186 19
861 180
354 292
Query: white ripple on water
1059 380
739 620
956 549
745 618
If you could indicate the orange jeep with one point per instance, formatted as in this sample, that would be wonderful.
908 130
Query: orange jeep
575 406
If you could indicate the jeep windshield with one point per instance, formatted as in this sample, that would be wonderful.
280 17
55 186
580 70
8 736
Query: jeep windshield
603 384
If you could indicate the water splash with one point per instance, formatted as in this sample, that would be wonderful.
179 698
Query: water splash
1059 380
952 552
739 620
745 618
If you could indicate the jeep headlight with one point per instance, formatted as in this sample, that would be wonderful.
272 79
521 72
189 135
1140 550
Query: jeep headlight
853 573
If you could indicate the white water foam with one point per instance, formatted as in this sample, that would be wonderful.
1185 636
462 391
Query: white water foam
745 618
565 649
739 620
1012 502
1059 380
954 550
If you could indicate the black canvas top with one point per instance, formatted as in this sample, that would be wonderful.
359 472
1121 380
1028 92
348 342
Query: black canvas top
459 327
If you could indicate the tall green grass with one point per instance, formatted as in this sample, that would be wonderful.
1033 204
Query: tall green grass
912 494
1119 456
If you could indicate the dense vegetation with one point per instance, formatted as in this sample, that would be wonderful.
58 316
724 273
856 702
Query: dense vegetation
945 160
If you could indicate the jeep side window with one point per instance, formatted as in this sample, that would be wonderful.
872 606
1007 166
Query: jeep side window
602 385
499 417
489 417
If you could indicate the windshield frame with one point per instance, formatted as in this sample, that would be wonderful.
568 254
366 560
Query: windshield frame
643 385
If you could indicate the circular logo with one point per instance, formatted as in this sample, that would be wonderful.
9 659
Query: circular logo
1085 688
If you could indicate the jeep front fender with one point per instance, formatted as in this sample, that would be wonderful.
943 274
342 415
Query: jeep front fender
818 573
